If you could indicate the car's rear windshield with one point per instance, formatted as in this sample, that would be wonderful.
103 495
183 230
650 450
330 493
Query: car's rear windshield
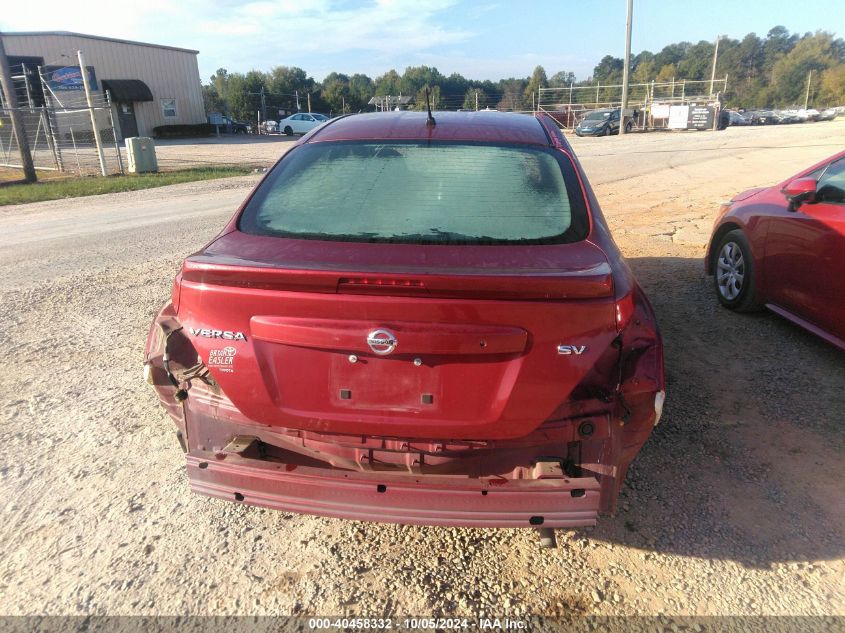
420 193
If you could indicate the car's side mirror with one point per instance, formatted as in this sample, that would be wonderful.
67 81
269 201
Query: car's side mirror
799 191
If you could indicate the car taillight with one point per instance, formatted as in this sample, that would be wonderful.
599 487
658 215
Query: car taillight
625 308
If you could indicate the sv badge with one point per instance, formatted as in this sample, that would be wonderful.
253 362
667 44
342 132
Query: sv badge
568 350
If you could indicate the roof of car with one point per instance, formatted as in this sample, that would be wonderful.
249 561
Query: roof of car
487 126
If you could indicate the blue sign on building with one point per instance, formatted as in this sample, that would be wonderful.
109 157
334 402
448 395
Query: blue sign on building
68 78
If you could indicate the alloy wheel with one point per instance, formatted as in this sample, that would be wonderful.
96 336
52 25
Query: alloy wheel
730 271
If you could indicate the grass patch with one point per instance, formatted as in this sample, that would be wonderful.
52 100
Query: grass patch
91 186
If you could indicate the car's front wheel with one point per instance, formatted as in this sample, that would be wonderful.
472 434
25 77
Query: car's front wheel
734 273
288 131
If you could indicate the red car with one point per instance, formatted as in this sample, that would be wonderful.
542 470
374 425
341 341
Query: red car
417 320
783 247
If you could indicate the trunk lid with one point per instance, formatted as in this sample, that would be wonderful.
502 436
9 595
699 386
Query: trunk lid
457 342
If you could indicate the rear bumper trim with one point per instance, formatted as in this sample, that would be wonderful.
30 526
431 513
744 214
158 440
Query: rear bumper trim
397 498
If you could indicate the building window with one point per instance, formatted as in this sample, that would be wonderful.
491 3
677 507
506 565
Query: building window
168 107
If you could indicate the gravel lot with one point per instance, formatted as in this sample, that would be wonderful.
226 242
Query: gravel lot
735 505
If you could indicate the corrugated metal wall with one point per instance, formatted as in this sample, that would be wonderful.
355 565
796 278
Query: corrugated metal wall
170 74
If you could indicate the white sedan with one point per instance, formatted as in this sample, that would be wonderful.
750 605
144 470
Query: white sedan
301 123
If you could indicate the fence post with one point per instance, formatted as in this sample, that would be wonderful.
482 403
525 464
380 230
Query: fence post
48 132
90 99
27 86
114 132
52 141
14 115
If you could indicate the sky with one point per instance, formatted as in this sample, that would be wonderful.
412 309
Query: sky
480 40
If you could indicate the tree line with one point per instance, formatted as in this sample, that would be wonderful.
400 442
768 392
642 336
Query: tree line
770 71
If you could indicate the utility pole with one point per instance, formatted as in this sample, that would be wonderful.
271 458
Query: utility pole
309 101
263 105
623 113
17 125
715 57
90 99
807 94
476 100
296 93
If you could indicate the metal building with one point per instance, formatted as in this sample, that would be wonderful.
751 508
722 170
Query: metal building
149 84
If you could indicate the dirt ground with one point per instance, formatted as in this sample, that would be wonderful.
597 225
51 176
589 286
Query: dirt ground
735 505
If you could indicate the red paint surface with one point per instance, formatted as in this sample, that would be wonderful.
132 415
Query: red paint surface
484 323
799 256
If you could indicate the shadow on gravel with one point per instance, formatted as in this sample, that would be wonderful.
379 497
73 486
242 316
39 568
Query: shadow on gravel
746 464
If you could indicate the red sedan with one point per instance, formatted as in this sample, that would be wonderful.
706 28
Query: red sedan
783 247
414 319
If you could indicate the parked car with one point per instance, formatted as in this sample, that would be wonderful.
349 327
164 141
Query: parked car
783 248
601 123
788 116
737 118
763 117
828 115
471 351
301 123
270 126
229 125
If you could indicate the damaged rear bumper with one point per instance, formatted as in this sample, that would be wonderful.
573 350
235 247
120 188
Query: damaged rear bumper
562 475
548 501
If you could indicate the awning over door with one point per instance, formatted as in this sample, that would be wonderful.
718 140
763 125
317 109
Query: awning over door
127 90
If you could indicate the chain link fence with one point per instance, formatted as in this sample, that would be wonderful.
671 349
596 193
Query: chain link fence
60 127
650 101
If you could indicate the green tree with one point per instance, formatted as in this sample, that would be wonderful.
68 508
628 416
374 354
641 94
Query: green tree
243 95
667 73
671 54
561 79
361 90
336 92
470 99
832 92
778 43
609 70
288 80
538 80
434 97
211 100
513 94
390 83
698 62
415 78
816 53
